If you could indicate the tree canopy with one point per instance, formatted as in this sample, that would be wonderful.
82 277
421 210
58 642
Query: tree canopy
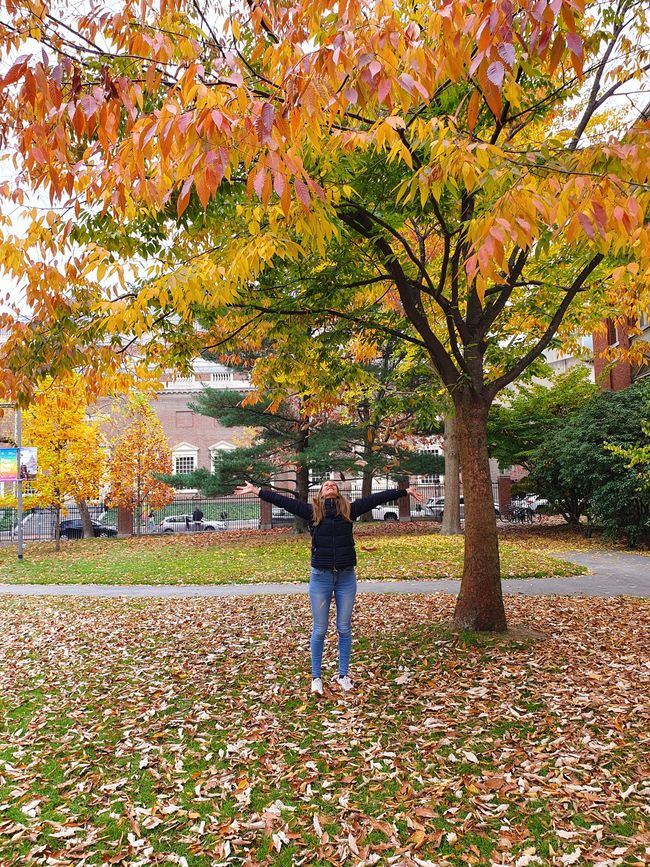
476 157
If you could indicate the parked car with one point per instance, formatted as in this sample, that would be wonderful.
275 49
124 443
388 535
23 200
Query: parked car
387 512
180 524
528 501
73 529
281 518
435 507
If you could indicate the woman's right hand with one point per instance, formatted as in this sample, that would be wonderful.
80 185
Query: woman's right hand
246 488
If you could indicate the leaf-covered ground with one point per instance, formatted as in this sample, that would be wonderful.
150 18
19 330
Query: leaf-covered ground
182 732
231 558
559 536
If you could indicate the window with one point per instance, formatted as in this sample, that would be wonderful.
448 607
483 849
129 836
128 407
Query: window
644 320
317 478
184 418
217 450
432 478
184 464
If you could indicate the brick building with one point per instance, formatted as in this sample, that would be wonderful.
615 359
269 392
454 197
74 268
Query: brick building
617 375
196 439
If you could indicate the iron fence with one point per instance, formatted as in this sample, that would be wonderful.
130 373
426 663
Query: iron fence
218 514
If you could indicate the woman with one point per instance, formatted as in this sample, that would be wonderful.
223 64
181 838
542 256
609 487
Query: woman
333 559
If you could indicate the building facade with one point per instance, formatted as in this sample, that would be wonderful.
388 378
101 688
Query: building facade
618 374
195 440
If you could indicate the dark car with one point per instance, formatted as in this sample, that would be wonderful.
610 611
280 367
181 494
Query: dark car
73 529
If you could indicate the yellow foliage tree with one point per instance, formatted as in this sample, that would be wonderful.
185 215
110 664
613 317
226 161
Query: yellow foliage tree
71 458
486 161
139 453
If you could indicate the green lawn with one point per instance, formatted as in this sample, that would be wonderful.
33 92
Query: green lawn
181 732
254 557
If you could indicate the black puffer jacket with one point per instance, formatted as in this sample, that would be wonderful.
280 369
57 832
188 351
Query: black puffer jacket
332 543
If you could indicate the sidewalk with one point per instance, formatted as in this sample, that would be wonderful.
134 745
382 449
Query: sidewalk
614 574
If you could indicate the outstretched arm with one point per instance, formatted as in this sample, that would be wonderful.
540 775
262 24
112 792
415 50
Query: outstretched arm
289 504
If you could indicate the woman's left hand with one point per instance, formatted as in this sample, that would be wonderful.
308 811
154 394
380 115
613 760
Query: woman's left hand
415 494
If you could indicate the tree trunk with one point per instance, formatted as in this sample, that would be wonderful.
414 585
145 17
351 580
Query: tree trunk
451 515
302 493
86 522
480 602
57 529
366 490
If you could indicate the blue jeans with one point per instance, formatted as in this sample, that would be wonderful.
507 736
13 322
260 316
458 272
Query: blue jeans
343 584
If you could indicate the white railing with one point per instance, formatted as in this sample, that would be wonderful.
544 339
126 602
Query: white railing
192 384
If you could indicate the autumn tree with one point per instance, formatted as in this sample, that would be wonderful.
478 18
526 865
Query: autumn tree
71 457
477 156
138 454
287 437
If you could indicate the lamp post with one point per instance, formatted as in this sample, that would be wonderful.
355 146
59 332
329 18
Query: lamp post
19 481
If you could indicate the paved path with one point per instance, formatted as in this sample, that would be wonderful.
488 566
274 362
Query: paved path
614 574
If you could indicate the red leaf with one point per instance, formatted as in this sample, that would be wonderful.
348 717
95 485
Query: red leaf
268 114
278 184
495 73
16 70
302 192
507 53
384 89
575 44
587 225
258 183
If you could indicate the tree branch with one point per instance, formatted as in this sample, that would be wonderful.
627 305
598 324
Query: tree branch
517 369
360 221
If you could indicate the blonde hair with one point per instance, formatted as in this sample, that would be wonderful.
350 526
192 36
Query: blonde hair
342 507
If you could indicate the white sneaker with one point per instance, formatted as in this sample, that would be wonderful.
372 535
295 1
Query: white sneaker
317 686
344 682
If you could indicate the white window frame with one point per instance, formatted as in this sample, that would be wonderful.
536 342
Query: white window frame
319 478
184 450
221 446
433 478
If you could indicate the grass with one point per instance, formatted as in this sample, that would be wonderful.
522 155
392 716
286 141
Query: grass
182 732
256 557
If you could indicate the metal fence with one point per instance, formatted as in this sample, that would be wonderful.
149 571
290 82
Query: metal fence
218 514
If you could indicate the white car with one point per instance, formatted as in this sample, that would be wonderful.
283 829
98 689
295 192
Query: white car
181 524
436 508
387 512
529 501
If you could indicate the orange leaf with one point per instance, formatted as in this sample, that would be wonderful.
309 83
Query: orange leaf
184 197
